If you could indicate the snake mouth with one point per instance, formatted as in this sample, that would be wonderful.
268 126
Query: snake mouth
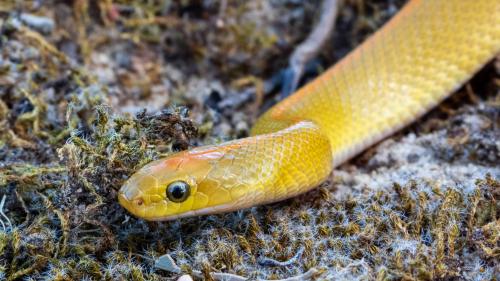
133 206
225 208
136 208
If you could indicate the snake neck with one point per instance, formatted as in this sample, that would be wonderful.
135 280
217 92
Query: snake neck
421 56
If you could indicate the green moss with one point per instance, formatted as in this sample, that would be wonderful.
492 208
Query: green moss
64 153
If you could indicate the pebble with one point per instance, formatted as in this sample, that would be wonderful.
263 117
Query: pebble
41 24
185 278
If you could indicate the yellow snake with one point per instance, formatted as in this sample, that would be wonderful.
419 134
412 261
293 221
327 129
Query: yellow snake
424 53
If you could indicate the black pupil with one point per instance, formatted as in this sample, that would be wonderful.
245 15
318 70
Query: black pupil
178 191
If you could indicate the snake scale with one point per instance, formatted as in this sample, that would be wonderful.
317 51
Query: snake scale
422 55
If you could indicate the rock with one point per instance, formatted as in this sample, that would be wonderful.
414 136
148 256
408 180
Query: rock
41 24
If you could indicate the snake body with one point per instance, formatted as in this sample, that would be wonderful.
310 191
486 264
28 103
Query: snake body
423 54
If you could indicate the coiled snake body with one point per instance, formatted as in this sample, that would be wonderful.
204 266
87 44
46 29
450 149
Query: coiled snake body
428 50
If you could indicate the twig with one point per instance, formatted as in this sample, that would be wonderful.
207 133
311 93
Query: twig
2 203
37 39
25 208
259 91
222 10
288 78
273 262
1 221
311 46
166 262
232 102
304 276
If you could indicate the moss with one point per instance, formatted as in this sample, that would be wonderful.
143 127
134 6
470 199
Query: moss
67 144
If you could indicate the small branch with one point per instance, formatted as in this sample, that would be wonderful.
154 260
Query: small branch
311 46
9 224
310 274
166 262
273 262
288 78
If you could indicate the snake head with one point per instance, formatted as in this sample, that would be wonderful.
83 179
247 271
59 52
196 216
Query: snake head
175 187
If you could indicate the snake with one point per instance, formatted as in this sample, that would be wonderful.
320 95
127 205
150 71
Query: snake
422 55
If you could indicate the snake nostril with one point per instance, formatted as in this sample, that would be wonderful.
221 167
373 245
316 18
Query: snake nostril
139 201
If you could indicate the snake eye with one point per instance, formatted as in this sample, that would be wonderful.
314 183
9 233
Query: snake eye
178 191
